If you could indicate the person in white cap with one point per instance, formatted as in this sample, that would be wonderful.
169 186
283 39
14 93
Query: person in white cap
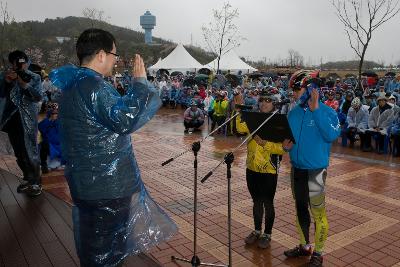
357 119
379 120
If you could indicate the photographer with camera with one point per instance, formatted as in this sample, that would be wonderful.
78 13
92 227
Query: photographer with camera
20 93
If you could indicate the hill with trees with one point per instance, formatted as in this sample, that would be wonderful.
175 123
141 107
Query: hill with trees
39 40
350 65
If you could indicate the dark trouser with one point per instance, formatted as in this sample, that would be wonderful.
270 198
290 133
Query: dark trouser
44 153
351 135
15 132
193 124
172 103
217 120
377 135
165 102
308 187
262 188
100 231
396 145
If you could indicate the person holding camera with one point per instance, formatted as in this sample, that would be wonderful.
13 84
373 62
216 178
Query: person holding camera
20 94
262 175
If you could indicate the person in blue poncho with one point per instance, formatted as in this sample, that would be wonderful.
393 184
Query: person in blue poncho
113 214
49 129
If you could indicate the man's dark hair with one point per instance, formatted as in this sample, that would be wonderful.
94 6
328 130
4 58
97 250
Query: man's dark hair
15 55
91 41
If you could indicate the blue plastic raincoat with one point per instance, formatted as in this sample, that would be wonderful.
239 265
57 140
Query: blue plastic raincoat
96 127
26 102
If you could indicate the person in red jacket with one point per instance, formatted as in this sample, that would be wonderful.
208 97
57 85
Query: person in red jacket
332 102
202 92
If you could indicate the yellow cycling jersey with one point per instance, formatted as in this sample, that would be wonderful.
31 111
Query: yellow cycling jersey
220 107
259 157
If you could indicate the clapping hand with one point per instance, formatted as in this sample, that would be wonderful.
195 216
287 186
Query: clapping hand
139 71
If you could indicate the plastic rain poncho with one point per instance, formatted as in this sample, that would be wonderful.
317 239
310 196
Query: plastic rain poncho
26 102
96 127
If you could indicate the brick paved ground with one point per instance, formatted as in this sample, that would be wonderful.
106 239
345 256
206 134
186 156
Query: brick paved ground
362 201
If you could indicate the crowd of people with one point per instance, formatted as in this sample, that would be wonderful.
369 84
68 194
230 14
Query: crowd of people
93 139
367 114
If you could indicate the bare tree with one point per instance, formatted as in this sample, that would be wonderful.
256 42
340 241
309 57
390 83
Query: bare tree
5 20
35 54
222 35
294 58
360 19
96 16
56 57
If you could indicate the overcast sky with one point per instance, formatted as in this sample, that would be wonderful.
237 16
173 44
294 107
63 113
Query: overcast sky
271 27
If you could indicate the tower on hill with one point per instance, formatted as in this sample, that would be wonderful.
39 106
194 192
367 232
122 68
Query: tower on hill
148 21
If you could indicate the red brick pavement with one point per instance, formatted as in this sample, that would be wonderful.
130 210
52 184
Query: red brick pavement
362 202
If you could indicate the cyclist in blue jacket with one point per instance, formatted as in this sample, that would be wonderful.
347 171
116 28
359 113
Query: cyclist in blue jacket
315 126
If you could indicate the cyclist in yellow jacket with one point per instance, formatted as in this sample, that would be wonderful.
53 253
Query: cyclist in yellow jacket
262 175
220 107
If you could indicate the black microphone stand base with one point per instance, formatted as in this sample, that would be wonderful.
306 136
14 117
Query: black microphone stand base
195 261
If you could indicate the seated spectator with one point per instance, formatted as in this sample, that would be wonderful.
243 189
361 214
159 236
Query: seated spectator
357 119
164 95
370 101
220 107
193 118
173 96
236 100
250 99
347 102
392 100
395 133
202 92
339 97
49 131
208 103
380 119
331 101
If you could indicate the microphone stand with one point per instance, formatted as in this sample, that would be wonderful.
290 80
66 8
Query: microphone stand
202 140
195 261
228 160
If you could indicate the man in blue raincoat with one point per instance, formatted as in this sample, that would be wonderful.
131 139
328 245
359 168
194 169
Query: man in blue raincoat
113 216
20 93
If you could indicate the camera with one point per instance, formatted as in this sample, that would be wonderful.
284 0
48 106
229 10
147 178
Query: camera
26 77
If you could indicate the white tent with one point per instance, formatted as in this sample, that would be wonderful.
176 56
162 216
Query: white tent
230 61
178 60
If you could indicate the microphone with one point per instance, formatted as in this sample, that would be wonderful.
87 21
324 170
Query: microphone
243 107
167 161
